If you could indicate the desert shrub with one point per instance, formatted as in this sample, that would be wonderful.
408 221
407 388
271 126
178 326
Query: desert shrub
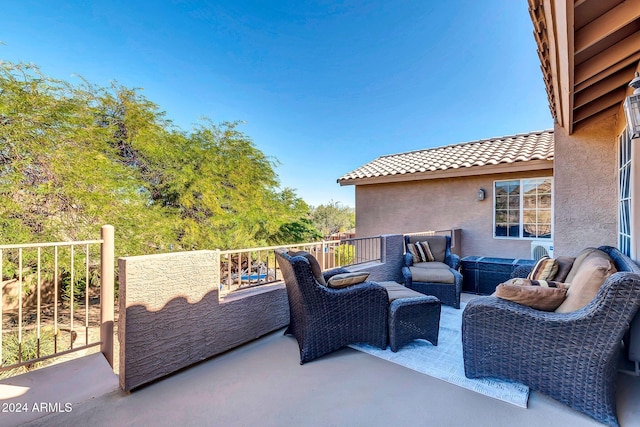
11 349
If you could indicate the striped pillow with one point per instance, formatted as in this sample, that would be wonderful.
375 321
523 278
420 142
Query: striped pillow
421 252
545 269
542 283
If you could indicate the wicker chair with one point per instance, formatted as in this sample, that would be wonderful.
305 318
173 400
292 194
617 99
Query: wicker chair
571 357
448 293
323 319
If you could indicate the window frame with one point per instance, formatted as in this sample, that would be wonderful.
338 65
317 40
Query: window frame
625 224
521 209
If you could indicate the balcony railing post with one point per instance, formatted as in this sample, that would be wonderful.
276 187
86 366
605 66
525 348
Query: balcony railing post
107 292
217 267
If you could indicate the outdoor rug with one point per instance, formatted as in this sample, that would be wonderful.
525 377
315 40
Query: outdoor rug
444 361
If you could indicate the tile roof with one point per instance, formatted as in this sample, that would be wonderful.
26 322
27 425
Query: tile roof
494 151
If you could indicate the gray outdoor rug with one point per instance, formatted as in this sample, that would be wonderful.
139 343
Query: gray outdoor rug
444 361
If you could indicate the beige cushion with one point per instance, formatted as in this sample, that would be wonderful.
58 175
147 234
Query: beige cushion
343 280
437 245
582 255
564 267
593 271
540 297
315 267
437 275
434 264
398 291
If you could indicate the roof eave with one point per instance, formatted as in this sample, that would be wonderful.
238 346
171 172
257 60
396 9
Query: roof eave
530 165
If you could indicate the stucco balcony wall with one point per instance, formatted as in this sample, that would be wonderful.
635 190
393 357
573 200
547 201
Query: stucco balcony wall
171 316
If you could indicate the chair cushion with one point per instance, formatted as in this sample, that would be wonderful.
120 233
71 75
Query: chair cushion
594 270
541 295
434 264
582 255
315 267
438 246
435 274
564 267
398 291
545 269
343 280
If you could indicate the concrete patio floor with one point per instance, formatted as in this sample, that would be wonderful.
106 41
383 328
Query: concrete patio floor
263 384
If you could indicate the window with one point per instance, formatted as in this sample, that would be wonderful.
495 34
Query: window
624 193
522 208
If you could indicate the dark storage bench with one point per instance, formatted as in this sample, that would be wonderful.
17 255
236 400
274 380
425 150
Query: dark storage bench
482 274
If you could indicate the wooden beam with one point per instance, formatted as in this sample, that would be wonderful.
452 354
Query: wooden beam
606 24
607 72
601 88
616 53
611 111
602 103
563 11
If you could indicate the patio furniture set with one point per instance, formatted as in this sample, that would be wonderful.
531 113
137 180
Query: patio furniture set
324 318
569 352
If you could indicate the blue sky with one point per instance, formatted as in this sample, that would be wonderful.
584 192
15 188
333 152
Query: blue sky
323 86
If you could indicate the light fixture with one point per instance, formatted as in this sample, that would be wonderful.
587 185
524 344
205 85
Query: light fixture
632 108
480 194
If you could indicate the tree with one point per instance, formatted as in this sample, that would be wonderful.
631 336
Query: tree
333 218
75 157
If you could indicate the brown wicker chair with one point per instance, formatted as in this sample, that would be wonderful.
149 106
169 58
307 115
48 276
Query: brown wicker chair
571 357
323 319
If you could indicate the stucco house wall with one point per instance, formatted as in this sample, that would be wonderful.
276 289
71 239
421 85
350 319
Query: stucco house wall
586 188
440 204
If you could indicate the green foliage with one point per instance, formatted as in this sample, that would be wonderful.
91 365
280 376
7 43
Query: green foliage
345 254
301 231
11 348
333 218
74 157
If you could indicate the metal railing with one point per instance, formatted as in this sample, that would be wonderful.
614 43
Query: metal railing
244 268
55 295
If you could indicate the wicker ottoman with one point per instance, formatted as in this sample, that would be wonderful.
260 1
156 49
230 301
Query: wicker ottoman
412 315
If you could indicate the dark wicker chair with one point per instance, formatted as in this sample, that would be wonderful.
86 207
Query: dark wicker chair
448 293
571 357
322 319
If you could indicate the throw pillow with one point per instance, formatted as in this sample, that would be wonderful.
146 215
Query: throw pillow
539 297
544 283
564 267
315 267
545 269
426 249
420 252
343 280
593 272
